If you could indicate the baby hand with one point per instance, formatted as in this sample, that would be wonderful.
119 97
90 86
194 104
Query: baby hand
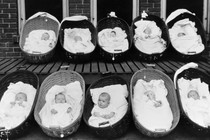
53 111
12 103
69 110
157 103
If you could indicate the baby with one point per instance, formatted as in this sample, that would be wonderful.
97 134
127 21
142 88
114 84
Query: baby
103 113
193 94
60 99
151 97
20 99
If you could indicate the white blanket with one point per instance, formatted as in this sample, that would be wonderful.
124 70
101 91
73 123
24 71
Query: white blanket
148 37
151 117
40 41
113 40
73 93
184 37
118 104
78 40
13 115
197 110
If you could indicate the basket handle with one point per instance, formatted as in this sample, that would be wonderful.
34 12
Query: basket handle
160 130
64 67
193 52
106 73
150 64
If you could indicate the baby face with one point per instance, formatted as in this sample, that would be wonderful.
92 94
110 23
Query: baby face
113 34
45 36
21 97
148 31
77 38
150 94
60 98
104 100
193 94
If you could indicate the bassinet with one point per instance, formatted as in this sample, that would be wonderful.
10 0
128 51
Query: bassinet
62 77
165 35
200 31
148 75
112 22
120 127
84 24
40 20
189 74
28 78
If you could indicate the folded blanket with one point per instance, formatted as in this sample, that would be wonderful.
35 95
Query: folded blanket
113 40
78 40
151 116
73 94
148 37
197 109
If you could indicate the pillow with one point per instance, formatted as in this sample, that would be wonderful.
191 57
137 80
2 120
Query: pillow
118 94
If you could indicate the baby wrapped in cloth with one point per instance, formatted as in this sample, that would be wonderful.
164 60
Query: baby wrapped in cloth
195 100
40 41
151 106
148 37
62 105
110 105
16 104
113 40
77 40
184 36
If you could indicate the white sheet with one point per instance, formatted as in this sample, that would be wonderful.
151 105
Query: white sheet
197 110
113 43
78 40
118 104
11 116
73 93
148 37
151 117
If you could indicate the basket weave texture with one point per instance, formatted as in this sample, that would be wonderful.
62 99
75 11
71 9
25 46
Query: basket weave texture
62 77
117 129
153 74
112 22
28 78
200 31
78 57
165 35
190 74
37 23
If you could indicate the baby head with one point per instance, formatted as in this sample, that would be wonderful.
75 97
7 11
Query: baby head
104 100
45 36
20 97
193 94
113 34
60 98
77 38
147 31
150 94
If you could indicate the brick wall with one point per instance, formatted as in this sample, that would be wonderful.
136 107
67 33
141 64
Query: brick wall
151 6
9 29
79 7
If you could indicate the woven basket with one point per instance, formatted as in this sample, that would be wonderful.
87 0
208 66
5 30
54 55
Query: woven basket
62 77
78 57
41 21
28 78
200 31
112 22
190 74
153 74
165 35
117 129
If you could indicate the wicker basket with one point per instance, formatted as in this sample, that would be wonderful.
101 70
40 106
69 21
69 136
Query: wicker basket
148 75
200 31
165 35
190 74
117 129
62 77
78 57
36 22
28 78
112 22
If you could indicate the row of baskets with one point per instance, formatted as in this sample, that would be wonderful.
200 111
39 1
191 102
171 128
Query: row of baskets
64 77
48 22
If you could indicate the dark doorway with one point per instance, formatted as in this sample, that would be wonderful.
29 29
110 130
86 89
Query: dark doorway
54 7
122 8
195 6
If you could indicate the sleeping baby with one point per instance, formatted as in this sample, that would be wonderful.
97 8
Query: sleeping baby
102 113
195 100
